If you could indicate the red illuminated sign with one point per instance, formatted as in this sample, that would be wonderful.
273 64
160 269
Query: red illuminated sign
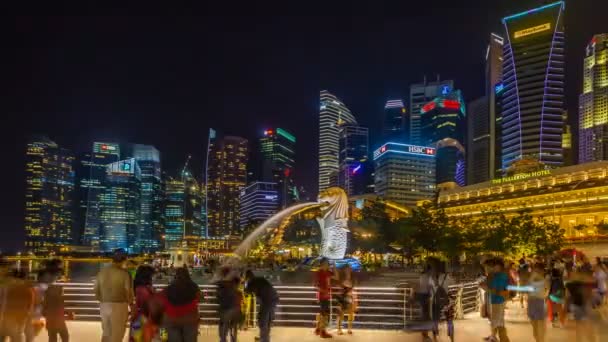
428 107
451 104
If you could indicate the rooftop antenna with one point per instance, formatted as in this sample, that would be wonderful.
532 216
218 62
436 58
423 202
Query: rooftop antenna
186 166
185 190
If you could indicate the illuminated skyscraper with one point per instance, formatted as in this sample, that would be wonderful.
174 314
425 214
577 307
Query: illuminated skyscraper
91 173
148 158
182 209
404 173
482 120
277 148
333 113
421 94
593 102
354 170
396 124
48 195
259 201
443 126
227 176
120 207
533 79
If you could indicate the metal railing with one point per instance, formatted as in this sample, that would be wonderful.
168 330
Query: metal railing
379 307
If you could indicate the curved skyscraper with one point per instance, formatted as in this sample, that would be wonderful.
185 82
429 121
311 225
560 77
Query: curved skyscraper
533 79
333 113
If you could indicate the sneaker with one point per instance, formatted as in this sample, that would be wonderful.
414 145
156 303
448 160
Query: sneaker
317 331
325 334
340 332
350 332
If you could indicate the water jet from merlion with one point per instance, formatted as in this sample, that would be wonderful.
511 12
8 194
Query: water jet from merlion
333 222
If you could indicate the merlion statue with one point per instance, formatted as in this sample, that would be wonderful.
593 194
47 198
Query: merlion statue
333 223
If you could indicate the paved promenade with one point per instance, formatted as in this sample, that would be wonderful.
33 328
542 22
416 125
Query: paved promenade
470 329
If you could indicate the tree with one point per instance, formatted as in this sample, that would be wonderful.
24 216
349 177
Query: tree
430 224
550 238
499 235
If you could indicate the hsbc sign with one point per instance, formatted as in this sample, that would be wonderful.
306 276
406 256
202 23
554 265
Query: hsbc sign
403 149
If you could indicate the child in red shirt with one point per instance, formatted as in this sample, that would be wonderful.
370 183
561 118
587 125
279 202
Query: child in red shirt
323 285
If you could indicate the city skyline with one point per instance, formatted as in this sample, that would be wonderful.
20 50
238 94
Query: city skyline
117 122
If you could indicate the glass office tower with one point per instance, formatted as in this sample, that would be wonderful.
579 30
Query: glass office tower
593 102
120 207
354 171
277 149
148 159
533 80
48 196
333 113
226 177
91 173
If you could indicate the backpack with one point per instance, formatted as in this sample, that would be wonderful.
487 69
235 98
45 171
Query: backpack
441 297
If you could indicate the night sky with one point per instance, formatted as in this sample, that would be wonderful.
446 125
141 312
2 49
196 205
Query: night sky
238 68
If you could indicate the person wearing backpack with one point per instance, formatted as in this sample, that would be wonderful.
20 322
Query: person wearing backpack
441 301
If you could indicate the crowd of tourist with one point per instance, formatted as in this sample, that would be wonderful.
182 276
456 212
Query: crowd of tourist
550 290
558 291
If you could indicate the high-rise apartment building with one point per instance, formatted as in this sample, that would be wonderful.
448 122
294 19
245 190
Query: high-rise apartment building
91 173
533 80
396 124
404 173
226 177
120 207
443 126
277 149
483 118
48 195
333 114
593 102
148 158
354 169
259 201
421 94
182 209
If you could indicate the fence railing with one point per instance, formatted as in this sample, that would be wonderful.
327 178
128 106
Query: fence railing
379 307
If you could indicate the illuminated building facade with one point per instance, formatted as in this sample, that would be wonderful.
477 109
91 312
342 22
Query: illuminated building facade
120 207
572 196
482 120
421 94
259 201
443 126
332 114
277 149
227 176
148 158
533 80
404 173
48 195
355 170
396 124
593 102
182 209
91 173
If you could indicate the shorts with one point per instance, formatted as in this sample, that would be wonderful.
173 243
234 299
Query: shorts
324 306
345 302
536 309
497 318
